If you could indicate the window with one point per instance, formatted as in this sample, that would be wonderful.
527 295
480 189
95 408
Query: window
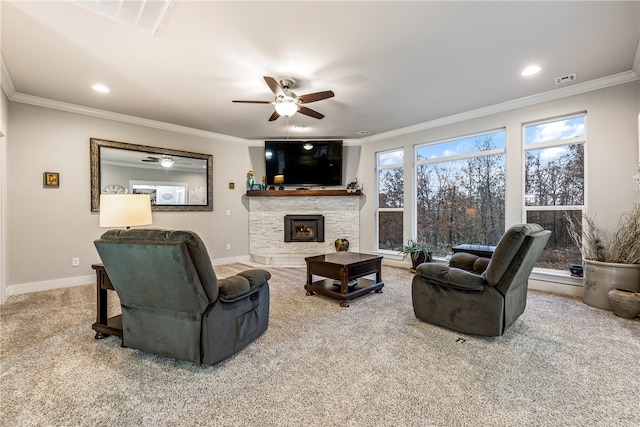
460 191
554 184
390 209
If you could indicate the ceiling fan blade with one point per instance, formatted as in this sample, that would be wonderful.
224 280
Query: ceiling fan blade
317 96
274 116
309 112
254 102
273 85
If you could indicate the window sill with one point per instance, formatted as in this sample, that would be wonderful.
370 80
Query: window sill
555 276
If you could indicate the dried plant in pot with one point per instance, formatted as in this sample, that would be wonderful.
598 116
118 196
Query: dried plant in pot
610 261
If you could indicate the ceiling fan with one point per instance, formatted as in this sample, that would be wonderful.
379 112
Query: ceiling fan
165 161
288 103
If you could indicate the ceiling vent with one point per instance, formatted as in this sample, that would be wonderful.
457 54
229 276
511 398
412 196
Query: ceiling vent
145 16
565 79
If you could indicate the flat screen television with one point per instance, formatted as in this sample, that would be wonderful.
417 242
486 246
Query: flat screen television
303 163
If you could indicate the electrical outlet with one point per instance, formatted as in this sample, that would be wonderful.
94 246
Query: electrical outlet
228 245
228 212
75 262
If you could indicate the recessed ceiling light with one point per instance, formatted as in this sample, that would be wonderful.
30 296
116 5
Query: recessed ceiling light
531 70
363 132
100 88
300 127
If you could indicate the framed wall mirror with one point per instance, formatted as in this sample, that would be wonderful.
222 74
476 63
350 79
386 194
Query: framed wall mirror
175 180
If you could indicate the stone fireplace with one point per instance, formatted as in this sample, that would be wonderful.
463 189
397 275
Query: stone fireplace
267 246
304 228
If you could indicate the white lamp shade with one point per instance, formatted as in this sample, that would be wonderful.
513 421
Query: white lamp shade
125 210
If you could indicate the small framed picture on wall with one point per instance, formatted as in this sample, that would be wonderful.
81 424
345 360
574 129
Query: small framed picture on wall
51 179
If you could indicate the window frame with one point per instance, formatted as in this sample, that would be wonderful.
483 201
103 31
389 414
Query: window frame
525 209
378 209
417 163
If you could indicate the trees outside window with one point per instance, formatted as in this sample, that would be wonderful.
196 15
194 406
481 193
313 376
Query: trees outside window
554 183
390 207
460 191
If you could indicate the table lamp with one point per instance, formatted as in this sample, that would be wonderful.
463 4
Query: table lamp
125 210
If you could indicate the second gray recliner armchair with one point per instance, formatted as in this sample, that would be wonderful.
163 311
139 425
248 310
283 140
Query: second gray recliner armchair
172 302
480 302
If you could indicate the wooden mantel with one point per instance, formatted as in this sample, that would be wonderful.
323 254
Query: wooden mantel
289 193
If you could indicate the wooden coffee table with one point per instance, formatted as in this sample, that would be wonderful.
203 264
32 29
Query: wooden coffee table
343 274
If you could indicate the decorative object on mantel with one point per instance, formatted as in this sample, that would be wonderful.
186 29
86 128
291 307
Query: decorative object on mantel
608 263
279 179
51 179
264 182
354 186
342 245
250 180
624 302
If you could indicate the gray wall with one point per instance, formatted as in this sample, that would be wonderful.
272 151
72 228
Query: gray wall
47 227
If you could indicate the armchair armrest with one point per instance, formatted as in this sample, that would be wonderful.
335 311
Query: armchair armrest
469 262
242 285
451 277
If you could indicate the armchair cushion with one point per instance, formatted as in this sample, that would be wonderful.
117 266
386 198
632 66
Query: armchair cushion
451 277
469 262
241 285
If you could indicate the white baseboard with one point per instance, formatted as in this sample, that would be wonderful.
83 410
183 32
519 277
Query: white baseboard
46 285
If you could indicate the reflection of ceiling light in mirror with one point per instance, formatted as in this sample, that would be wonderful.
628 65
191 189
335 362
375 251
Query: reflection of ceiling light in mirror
531 70
307 146
166 161
100 88
268 154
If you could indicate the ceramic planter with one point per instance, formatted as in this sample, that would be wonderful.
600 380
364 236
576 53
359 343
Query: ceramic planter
600 277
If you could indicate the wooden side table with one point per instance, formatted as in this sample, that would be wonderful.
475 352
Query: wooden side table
104 325
480 250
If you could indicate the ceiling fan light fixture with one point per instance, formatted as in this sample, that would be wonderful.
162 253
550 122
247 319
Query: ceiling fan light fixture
166 161
286 107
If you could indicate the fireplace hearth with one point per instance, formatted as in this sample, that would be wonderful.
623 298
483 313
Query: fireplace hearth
304 228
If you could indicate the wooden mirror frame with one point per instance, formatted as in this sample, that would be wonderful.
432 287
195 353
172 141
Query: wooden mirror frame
94 151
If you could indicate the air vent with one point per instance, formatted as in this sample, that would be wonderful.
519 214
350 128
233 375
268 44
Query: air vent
145 16
566 79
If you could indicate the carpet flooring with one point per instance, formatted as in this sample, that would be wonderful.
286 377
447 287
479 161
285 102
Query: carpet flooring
562 363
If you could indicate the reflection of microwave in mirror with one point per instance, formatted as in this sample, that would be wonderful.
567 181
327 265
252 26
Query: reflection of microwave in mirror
165 193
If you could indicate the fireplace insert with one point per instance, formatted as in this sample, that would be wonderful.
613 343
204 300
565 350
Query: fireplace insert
304 228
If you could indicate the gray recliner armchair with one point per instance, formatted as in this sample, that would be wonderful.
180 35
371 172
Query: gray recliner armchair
466 297
173 304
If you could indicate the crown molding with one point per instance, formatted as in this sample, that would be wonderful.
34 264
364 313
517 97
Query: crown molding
5 79
636 60
118 117
604 82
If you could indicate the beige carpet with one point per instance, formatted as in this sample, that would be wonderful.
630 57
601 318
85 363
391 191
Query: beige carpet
372 364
